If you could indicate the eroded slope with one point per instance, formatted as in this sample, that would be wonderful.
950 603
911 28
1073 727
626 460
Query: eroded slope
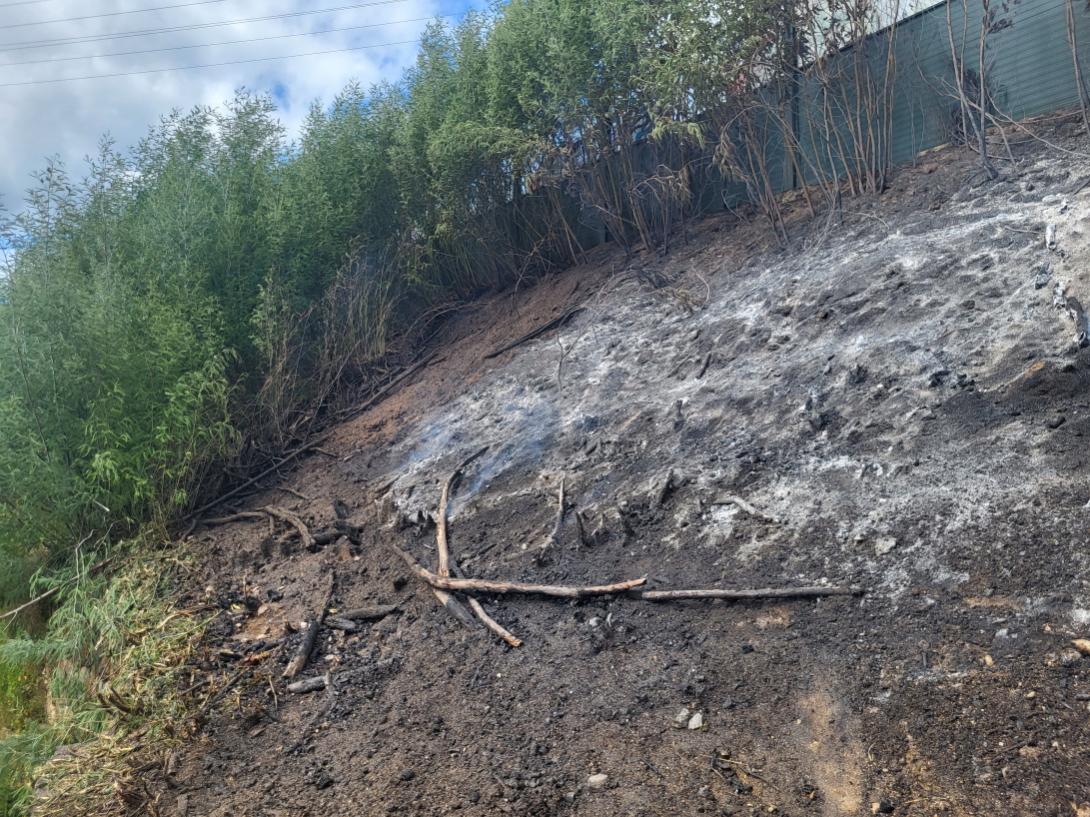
899 399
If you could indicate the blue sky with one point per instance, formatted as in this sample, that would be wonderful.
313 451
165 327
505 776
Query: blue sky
68 118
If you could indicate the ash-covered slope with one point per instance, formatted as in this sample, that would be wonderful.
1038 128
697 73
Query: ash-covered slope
898 400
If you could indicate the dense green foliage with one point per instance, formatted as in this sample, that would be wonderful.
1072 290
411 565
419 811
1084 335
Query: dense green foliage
114 649
171 309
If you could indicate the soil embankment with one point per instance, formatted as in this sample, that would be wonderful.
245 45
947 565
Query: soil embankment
898 399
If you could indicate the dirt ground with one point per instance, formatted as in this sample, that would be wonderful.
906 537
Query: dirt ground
898 399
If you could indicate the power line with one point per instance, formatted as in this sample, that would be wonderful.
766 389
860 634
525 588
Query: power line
21 45
222 42
205 65
111 14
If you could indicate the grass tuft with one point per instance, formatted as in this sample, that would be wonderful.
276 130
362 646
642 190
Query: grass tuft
113 708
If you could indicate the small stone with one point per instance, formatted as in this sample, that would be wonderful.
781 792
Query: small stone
1082 645
597 781
884 544
1056 422
696 721
407 775
1031 694
988 661
681 718
881 807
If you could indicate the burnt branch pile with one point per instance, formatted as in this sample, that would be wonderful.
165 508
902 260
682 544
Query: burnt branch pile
455 591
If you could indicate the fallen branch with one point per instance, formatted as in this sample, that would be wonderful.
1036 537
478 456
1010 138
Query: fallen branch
377 396
241 516
441 544
504 588
342 624
310 541
310 637
741 595
489 622
446 563
244 485
294 493
535 333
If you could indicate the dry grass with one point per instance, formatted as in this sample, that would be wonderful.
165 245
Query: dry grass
119 716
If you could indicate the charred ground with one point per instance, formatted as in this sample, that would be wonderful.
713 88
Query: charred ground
898 392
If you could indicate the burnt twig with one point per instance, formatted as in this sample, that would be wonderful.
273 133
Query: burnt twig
535 333
501 588
310 637
742 595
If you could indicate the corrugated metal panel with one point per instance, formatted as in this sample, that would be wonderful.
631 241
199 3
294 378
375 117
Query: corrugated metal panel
1028 65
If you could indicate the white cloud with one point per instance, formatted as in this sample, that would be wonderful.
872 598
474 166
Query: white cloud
68 118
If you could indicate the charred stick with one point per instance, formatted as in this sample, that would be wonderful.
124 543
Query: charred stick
454 607
704 366
541 330
339 623
217 696
310 637
309 685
